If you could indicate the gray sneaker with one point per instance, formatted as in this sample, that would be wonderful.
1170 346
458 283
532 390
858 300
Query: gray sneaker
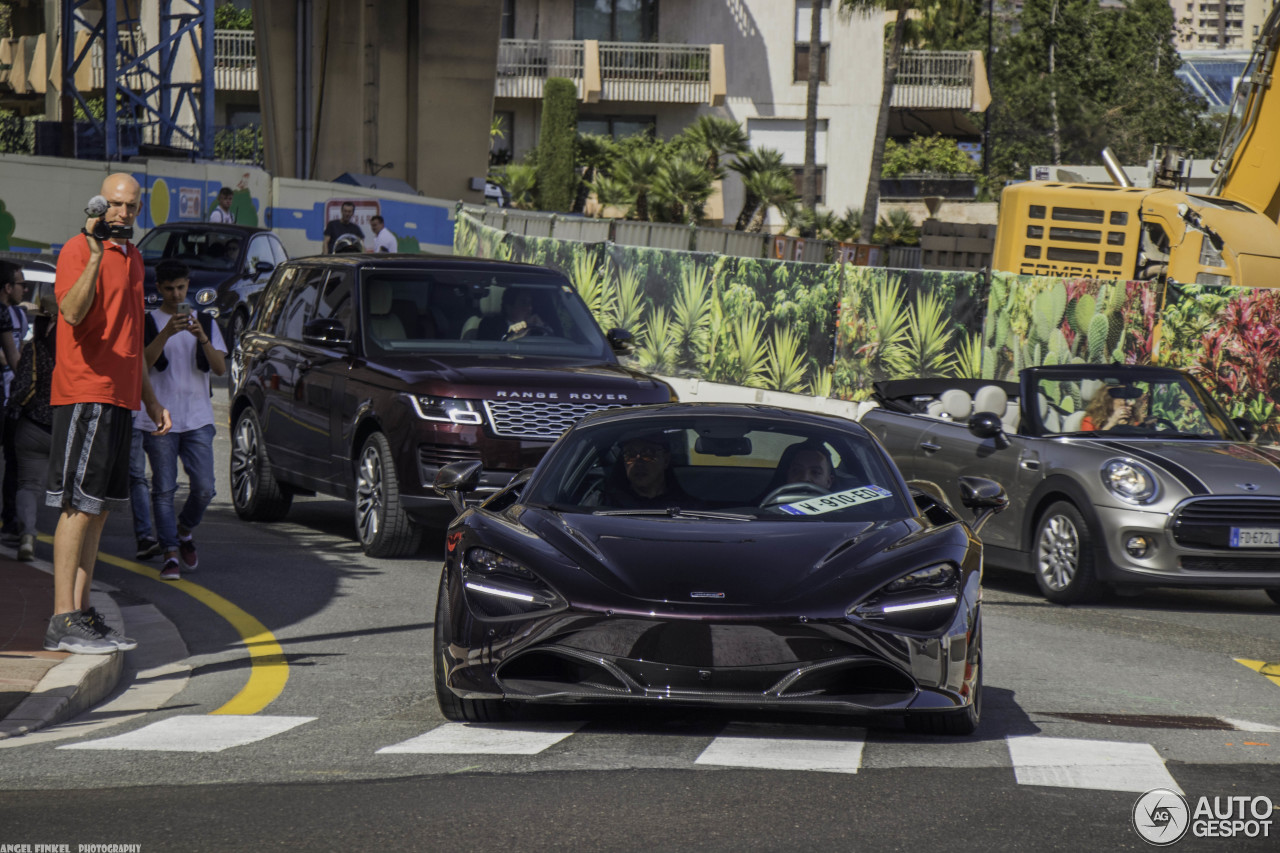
69 632
111 635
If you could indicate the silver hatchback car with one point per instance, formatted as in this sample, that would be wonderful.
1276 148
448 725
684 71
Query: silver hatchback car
1120 475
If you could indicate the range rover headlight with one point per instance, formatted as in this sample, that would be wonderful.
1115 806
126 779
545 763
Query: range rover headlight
1129 481
446 409
920 601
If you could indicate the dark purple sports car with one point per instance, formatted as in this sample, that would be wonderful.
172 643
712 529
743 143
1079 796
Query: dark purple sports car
714 555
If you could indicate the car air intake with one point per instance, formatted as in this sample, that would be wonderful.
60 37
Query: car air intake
538 419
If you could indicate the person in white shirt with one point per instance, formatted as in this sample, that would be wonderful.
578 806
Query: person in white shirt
222 214
383 240
182 349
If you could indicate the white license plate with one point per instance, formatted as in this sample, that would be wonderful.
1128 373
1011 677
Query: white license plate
1255 537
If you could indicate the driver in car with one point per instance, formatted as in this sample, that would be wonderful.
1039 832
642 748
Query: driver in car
1113 406
648 481
517 320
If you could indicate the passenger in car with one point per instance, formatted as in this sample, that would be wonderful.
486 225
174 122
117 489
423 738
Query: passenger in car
811 465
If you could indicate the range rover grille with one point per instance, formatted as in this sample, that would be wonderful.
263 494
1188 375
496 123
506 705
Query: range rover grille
538 419
439 455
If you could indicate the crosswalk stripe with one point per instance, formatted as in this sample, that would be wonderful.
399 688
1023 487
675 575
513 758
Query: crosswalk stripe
485 739
743 749
196 733
1098 764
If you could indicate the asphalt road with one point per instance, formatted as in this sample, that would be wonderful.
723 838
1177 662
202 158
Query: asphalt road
349 751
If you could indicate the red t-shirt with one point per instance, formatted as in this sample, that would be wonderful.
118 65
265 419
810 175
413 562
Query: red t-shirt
100 360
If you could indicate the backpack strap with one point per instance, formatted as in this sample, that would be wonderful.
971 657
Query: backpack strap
149 333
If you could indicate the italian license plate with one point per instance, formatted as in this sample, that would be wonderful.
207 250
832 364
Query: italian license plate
1255 537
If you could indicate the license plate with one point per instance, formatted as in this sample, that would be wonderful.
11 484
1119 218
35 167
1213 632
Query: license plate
1255 537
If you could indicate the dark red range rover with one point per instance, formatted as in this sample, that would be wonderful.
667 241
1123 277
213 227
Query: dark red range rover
361 375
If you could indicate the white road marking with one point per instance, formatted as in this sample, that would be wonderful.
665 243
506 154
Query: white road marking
191 733
1097 764
485 739
741 749
1246 726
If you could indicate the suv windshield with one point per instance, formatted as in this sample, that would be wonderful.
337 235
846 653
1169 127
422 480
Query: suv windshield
200 249
468 311
1129 404
737 469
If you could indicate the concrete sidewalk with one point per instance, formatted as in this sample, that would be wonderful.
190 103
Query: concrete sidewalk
39 688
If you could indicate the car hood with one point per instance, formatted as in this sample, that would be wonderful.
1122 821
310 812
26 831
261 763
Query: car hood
1217 467
519 377
756 563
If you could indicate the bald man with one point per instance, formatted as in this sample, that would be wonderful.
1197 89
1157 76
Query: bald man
99 380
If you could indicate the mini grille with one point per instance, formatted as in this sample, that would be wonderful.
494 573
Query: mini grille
537 419
442 454
1231 564
1232 511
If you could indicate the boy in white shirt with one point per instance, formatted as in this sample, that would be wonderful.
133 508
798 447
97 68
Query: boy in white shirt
182 349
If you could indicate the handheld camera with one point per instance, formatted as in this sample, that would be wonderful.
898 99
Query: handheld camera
97 207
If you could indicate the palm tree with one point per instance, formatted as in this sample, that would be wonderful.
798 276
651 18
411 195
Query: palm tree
891 62
594 153
771 189
682 187
715 138
637 169
750 165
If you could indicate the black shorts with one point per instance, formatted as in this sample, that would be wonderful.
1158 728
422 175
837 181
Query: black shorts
89 457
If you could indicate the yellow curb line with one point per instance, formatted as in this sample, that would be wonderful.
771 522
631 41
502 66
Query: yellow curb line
269 670
1269 671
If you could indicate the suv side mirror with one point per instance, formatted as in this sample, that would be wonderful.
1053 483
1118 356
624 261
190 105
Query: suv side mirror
326 332
619 341
1246 427
262 267
988 425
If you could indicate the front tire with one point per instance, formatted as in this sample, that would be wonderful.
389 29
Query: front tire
452 706
255 493
1064 556
960 722
382 525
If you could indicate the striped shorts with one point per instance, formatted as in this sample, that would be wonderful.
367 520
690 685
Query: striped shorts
89 457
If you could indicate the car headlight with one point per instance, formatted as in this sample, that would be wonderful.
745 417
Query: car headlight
497 586
1129 481
922 600
446 409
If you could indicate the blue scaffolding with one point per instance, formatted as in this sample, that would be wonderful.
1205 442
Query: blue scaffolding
138 86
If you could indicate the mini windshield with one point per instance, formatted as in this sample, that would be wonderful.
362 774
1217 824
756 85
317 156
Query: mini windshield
477 312
1130 404
731 468
199 249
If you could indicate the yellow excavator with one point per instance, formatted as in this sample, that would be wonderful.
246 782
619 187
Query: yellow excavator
1228 236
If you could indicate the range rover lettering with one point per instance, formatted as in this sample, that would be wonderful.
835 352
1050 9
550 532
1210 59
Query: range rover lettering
361 376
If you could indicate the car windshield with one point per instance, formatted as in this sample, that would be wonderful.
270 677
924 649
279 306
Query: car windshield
480 312
199 249
1129 404
720 467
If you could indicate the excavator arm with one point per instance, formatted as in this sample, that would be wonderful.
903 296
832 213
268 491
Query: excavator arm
1248 159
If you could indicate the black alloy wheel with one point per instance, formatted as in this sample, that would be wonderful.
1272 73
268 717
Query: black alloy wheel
382 525
451 705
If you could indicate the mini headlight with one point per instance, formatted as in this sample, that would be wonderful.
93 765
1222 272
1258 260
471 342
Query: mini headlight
446 409
1129 481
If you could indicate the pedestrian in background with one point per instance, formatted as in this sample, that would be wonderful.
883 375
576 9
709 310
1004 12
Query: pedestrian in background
13 328
183 348
31 417
222 214
383 240
144 533
340 227
99 379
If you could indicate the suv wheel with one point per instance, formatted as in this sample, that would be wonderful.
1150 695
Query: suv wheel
254 490
382 525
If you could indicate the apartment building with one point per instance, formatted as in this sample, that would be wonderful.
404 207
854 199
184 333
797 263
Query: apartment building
1230 25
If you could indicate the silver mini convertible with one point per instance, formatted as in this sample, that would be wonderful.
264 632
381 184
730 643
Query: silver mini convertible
1122 475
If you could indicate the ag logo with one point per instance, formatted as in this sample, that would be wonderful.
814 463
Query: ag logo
1161 817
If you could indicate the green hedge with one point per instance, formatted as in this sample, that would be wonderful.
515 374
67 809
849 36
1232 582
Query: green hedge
556 178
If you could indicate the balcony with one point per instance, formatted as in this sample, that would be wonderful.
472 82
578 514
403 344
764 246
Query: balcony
941 80
235 61
613 71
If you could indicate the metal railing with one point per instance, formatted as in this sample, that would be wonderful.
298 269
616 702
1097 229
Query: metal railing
667 73
524 66
235 60
935 79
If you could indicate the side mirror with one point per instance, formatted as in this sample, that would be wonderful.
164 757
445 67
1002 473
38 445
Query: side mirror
988 425
456 479
1246 427
262 267
619 341
325 332
985 497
